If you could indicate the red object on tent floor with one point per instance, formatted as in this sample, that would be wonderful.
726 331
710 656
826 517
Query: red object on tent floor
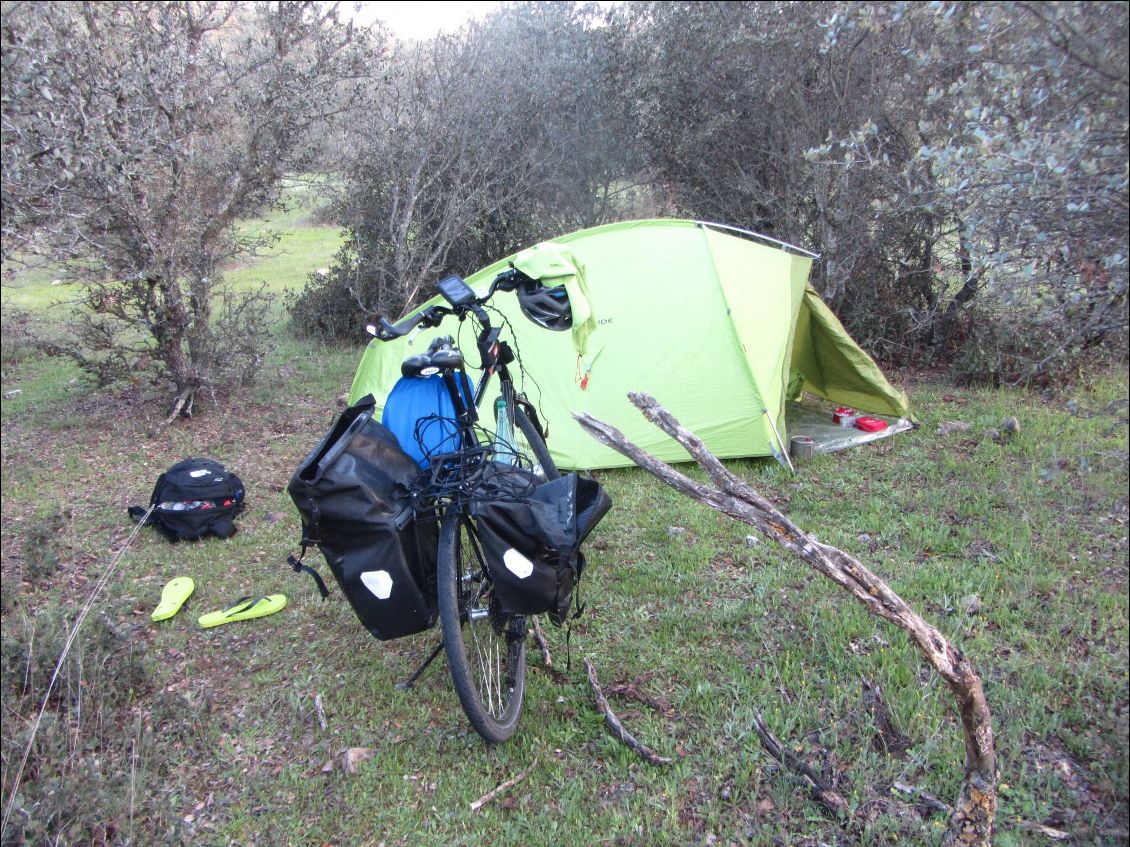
870 424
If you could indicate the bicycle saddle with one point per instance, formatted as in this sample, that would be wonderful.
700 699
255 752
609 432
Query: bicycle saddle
418 365
438 357
447 358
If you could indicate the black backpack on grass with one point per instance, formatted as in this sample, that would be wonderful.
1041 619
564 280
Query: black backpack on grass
193 498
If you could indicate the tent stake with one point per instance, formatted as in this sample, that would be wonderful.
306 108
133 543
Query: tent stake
780 443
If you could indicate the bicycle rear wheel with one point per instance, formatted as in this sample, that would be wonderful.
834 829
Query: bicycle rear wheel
486 652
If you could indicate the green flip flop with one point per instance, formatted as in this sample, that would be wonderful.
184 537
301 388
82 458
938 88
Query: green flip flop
243 609
173 595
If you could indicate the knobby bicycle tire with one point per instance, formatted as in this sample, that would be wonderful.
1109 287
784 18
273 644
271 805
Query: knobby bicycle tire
486 654
548 469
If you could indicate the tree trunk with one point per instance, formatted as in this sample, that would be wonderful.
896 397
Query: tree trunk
974 813
970 285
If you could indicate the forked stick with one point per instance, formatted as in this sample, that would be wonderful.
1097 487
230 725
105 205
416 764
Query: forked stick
824 793
974 813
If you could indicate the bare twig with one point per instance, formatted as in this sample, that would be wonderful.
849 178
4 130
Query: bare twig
631 691
1053 834
547 660
510 783
823 793
319 711
617 728
926 799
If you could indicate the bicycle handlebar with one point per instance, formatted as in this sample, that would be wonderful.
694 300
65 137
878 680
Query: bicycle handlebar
384 330
508 280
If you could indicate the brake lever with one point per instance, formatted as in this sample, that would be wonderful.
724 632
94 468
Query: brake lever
385 331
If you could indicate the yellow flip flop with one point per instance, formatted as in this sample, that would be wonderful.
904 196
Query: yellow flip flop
243 609
173 595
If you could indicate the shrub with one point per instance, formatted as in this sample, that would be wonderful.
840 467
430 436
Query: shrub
16 338
75 786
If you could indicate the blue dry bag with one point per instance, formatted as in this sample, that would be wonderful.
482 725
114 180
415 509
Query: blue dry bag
420 413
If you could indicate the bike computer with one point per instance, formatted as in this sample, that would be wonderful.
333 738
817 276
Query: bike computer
455 291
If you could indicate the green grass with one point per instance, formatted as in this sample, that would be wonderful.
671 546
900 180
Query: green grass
302 248
217 740
297 247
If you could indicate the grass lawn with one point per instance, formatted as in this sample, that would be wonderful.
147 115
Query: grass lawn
170 734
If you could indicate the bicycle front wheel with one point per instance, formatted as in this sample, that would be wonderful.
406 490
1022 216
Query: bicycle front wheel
530 443
486 652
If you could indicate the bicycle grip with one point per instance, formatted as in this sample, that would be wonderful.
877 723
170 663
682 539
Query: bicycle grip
385 330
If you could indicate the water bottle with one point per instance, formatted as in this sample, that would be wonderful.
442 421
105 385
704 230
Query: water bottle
503 433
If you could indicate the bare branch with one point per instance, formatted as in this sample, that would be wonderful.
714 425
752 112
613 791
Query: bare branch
547 660
821 791
503 787
974 813
616 728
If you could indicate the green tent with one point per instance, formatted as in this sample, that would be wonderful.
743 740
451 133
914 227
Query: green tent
712 322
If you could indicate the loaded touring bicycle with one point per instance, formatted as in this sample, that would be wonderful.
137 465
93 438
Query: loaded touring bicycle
432 515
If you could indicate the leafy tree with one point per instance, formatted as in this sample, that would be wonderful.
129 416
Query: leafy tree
135 135
1020 131
501 135
730 96
433 155
960 167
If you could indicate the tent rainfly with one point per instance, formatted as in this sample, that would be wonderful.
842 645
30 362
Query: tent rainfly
719 327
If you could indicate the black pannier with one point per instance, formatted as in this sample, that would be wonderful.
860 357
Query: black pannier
353 492
532 534
194 498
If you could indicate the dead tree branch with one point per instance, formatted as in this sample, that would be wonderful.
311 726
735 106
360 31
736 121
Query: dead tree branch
539 635
617 728
823 793
631 690
928 800
505 786
974 813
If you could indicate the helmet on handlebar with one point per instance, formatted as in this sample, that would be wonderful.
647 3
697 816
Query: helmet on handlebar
547 307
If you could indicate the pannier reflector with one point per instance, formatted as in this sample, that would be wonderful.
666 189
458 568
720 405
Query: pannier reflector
379 582
517 564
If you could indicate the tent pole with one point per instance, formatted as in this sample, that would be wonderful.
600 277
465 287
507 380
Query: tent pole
780 443
758 235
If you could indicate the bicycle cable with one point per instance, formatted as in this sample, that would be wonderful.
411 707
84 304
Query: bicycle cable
467 475
521 365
